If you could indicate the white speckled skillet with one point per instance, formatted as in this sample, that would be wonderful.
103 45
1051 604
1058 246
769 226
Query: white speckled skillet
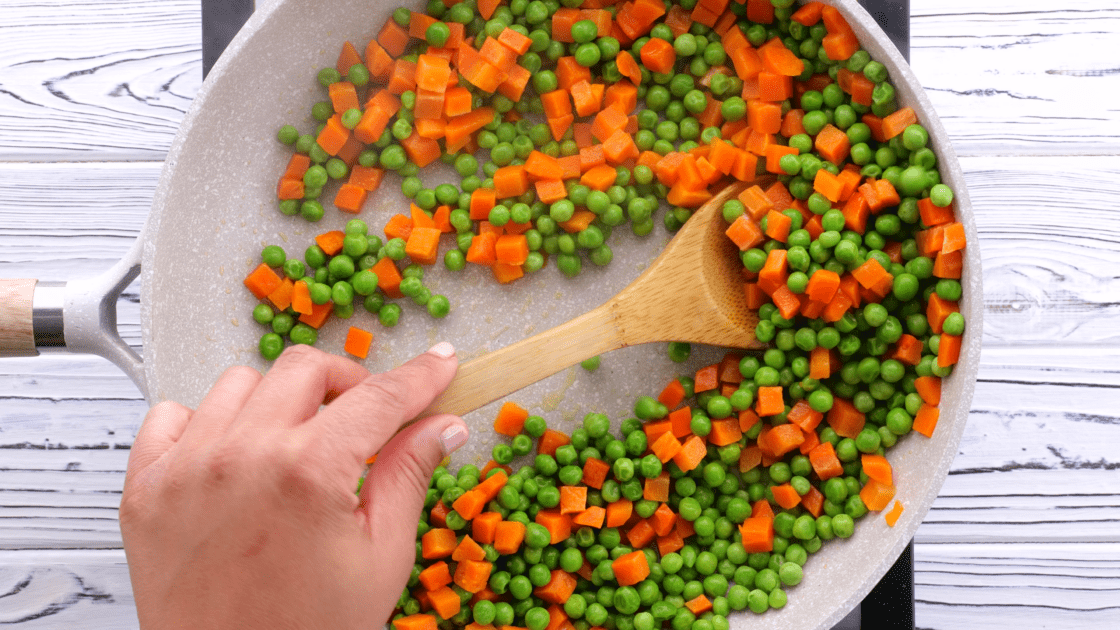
215 208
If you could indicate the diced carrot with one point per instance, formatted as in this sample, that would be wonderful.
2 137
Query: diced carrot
908 350
824 461
937 310
573 499
769 401
438 543
469 504
559 525
925 421
840 46
281 297
388 277
422 245
895 123
515 41
664 521
511 181
550 441
595 472
698 605
758 532
949 351
619 512
402 77
262 281
785 495
301 298
691 454
813 501
948 265
620 147
484 527
318 315
745 233
508 536
658 55
680 422
593 516
666 447
876 495
845 419
893 514
725 431
657 488
672 395
472 575
559 588
877 467
631 568
445 601
511 419
934 215
511 249
358 342
669 543
929 388
435 576
468 549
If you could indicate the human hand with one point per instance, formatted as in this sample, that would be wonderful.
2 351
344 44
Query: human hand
242 513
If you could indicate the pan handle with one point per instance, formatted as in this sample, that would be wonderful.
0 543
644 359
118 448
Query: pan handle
79 316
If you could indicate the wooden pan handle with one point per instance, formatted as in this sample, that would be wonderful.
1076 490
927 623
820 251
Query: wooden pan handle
502 372
17 334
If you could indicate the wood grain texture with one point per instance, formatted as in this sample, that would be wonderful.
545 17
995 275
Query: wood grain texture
17 336
1009 77
1006 77
96 80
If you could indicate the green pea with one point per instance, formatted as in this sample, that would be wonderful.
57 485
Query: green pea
271 345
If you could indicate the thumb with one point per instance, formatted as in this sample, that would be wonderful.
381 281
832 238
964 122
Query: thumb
397 483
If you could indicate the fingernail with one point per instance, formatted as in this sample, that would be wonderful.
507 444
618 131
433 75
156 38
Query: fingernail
443 349
452 438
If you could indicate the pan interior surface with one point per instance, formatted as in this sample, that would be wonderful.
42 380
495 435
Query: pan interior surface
215 209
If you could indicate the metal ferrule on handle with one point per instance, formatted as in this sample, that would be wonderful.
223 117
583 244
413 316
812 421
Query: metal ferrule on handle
46 317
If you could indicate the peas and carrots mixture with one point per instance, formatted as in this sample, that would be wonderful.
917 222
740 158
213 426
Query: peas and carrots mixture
587 115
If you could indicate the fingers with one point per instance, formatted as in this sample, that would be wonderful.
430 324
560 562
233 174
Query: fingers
300 381
222 404
162 428
365 417
394 490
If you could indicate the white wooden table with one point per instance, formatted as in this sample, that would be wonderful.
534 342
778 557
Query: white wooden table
1026 532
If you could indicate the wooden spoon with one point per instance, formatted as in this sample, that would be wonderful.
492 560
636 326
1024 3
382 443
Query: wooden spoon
692 292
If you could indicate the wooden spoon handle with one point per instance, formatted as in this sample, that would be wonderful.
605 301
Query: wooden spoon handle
17 335
502 372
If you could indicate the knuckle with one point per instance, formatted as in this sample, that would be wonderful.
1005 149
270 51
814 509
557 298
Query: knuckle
221 466
297 475
299 357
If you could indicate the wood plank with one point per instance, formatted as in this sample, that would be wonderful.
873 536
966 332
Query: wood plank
1009 77
96 80
83 589
1005 78
1054 585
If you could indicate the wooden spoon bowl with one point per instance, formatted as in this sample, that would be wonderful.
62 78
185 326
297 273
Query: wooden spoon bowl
692 292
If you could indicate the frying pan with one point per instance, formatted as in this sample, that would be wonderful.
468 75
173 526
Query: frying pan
214 209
